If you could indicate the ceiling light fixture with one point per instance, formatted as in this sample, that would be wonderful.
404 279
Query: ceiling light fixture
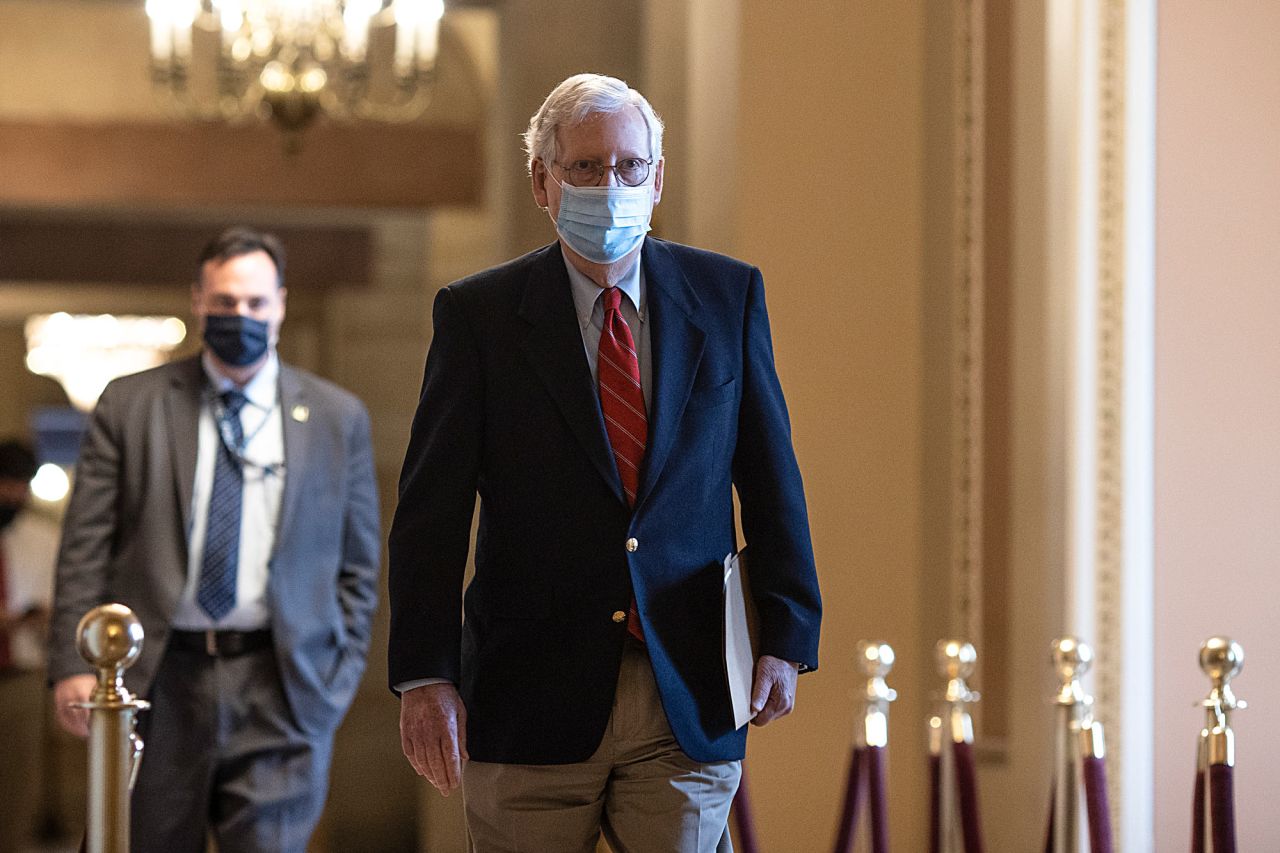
292 60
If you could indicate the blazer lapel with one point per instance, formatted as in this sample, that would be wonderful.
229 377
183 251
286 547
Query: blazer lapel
676 341
182 409
295 419
554 348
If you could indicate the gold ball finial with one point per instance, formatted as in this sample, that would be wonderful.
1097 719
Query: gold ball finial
956 658
1221 658
109 637
875 658
1072 658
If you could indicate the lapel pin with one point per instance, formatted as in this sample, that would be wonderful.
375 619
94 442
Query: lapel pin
300 414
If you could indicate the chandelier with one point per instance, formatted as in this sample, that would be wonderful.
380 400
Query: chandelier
86 351
291 60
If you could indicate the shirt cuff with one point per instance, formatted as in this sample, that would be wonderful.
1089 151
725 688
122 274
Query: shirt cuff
405 686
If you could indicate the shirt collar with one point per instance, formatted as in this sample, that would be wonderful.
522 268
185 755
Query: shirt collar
259 391
586 291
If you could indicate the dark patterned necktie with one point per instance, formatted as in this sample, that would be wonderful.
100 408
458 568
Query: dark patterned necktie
216 593
622 403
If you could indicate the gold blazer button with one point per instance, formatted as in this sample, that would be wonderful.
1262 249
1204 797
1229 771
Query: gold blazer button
619 616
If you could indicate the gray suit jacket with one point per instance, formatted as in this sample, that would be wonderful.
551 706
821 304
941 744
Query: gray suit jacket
125 534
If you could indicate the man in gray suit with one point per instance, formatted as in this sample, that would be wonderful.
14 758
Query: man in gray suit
229 500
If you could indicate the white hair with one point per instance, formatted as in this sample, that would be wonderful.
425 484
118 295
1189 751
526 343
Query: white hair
578 97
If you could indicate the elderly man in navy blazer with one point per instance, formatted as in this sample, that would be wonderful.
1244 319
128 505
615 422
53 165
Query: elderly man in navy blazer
603 396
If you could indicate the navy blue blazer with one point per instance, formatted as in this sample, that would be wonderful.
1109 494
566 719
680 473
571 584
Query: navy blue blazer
509 410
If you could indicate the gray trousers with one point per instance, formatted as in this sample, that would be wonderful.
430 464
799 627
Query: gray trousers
639 788
224 756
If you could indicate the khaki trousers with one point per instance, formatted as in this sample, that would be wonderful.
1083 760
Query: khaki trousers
638 788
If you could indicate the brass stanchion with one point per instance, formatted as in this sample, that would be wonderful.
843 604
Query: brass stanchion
110 638
1079 758
953 815
1213 824
867 759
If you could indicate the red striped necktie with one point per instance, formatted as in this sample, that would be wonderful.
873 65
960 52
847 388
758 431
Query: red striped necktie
622 402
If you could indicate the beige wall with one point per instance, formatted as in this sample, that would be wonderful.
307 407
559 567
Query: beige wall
1217 406
846 125
830 207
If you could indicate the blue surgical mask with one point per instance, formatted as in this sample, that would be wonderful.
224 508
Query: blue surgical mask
604 224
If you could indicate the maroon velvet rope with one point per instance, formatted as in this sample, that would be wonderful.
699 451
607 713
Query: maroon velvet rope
1095 795
935 803
1222 807
854 786
1197 815
742 817
967 782
1048 835
879 800
1099 814
866 773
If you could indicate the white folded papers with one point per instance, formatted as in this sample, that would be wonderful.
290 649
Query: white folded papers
739 657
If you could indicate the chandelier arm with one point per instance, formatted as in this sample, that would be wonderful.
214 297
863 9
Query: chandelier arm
295 61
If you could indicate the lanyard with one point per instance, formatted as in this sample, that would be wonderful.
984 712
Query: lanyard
221 420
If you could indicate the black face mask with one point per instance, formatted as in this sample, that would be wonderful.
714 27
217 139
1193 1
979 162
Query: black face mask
238 341
8 512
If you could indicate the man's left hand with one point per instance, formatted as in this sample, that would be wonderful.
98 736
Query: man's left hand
773 692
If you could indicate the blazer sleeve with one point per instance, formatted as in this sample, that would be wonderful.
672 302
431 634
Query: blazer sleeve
775 521
431 530
88 538
361 540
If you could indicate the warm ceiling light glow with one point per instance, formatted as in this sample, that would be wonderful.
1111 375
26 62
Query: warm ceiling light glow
295 59
50 484
86 351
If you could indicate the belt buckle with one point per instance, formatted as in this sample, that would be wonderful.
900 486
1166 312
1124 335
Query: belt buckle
211 643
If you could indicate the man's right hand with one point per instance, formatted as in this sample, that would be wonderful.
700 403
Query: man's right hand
433 734
72 689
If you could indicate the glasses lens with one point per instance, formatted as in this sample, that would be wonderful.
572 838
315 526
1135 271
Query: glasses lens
632 172
584 173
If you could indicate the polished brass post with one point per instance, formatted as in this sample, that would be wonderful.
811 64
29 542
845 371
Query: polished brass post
1214 823
867 758
1221 659
875 661
954 810
1071 660
110 638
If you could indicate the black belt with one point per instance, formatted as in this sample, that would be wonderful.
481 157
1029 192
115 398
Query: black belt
220 644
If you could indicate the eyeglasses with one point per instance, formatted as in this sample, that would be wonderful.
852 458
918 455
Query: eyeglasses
631 171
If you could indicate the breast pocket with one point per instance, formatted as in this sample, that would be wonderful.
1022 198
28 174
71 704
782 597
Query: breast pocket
706 397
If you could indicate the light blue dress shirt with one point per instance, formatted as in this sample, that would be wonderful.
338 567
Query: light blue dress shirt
260 505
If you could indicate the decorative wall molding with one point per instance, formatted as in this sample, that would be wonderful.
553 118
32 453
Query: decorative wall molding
111 251
968 319
1110 408
176 165
1100 147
